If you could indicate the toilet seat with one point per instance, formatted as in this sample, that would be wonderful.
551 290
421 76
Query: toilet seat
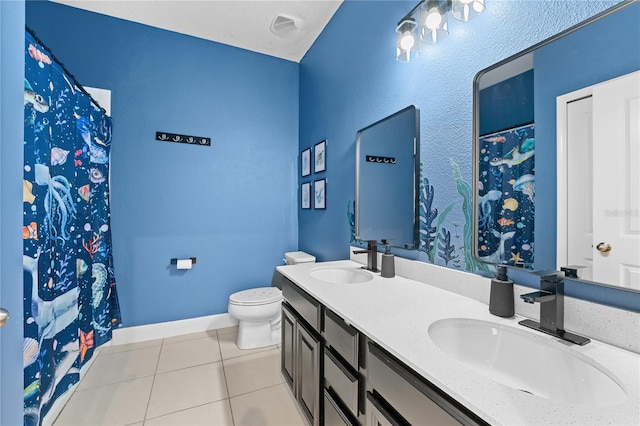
256 296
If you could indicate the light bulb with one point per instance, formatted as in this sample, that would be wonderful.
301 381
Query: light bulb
407 41
433 19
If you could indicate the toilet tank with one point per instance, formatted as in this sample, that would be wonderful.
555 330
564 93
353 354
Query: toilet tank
295 257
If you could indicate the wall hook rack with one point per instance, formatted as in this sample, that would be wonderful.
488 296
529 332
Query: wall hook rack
177 138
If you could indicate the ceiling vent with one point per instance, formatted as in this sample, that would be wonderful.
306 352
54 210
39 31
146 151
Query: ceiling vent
284 26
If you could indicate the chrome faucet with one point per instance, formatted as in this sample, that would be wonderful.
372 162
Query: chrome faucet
372 255
551 299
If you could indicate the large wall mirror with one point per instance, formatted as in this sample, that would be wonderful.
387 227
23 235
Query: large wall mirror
387 174
557 153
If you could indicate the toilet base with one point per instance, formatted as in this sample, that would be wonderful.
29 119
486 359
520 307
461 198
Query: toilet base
252 335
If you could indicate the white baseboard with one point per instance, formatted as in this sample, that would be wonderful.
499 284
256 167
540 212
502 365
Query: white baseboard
123 336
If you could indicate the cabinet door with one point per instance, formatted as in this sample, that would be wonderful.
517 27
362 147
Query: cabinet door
308 373
287 347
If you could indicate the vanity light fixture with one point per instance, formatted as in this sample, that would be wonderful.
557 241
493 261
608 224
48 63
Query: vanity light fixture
407 40
433 23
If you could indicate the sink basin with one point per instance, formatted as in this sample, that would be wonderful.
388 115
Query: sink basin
526 362
341 275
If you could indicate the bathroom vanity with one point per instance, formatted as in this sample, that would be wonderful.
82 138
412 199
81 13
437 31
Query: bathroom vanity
361 349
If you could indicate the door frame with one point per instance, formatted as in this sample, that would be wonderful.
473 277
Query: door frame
562 142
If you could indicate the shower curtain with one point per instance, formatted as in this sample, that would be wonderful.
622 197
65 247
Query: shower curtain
70 300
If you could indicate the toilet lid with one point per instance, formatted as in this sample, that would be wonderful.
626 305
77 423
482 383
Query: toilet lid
256 296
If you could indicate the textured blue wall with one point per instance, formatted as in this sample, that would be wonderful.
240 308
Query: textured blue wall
350 79
232 205
11 164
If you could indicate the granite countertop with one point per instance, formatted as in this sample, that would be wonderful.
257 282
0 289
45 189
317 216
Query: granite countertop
396 314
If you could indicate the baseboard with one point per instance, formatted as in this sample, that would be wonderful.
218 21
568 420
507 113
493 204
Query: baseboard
125 335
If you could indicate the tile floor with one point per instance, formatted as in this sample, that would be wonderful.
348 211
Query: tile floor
195 379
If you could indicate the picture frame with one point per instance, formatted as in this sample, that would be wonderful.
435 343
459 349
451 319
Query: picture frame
320 194
305 159
305 195
320 157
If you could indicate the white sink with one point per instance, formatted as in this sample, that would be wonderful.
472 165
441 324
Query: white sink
527 362
341 275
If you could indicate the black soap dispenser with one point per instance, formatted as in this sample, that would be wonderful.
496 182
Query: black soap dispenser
388 269
501 297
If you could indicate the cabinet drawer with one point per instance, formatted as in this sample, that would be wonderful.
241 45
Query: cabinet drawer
343 382
306 306
410 395
341 337
333 414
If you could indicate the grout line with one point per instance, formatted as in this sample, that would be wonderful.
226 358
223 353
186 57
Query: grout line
153 382
226 383
256 390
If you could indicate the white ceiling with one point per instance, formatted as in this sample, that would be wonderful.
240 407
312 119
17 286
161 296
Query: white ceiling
241 23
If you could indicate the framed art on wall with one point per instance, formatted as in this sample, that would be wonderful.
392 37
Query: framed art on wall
306 162
305 196
319 155
320 194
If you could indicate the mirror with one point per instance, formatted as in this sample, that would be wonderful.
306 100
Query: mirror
387 173
522 163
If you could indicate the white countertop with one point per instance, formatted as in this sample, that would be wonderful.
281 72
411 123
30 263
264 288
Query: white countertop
396 314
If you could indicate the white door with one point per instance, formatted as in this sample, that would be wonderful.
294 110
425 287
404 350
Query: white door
616 177
580 183
599 181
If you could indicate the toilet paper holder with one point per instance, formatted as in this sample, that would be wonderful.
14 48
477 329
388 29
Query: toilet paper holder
174 260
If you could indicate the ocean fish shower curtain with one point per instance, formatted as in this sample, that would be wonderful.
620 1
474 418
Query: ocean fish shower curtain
70 300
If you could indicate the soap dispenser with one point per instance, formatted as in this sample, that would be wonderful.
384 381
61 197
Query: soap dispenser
501 297
388 262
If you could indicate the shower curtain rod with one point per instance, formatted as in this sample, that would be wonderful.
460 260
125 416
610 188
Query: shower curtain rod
66 71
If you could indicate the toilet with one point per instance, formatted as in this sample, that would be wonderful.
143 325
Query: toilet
258 310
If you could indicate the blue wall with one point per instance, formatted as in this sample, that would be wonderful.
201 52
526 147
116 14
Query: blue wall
231 205
350 79
507 104
11 169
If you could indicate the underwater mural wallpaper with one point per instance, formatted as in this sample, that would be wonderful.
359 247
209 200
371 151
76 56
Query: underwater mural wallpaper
70 299
506 193
439 245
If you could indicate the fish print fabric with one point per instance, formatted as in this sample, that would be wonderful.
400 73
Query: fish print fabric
70 299
506 185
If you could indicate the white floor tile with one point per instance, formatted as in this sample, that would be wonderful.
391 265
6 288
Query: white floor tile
212 334
187 388
227 330
121 366
130 347
270 406
188 353
120 403
252 372
216 413
230 349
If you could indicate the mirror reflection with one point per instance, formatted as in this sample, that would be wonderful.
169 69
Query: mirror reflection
556 153
387 180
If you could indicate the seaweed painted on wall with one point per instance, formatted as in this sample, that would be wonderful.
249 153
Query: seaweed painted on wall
464 189
70 303
437 242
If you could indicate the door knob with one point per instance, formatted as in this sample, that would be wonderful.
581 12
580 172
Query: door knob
4 316
604 247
